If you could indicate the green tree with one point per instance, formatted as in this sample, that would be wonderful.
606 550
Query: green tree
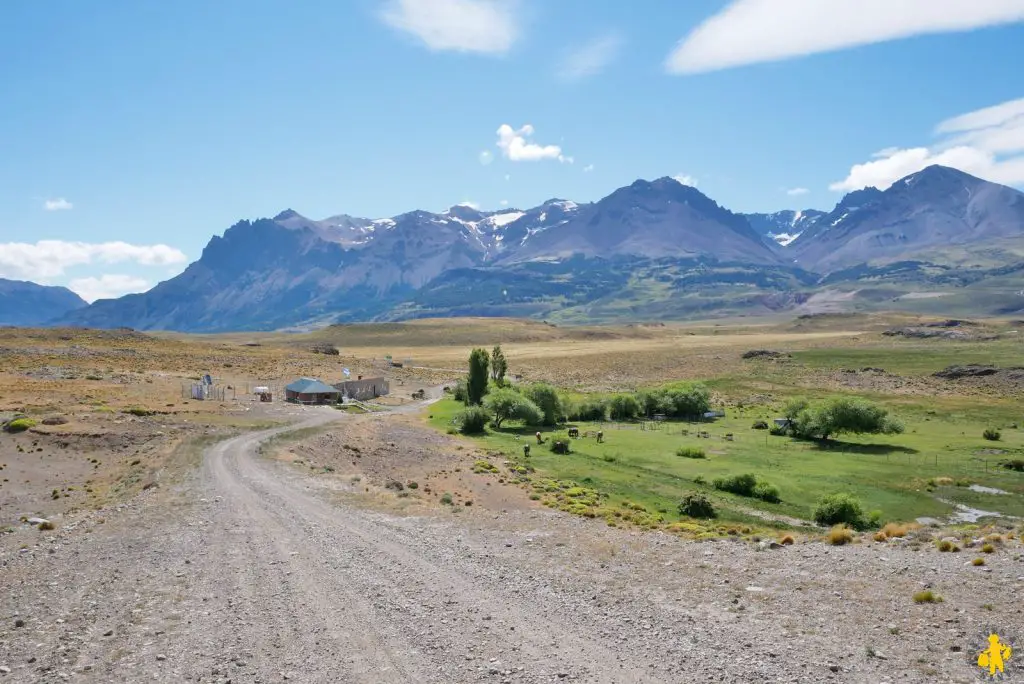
506 404
547 400
476 383
844 415
623 407
499 366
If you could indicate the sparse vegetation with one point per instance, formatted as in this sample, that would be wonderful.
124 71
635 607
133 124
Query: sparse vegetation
927 596
690 452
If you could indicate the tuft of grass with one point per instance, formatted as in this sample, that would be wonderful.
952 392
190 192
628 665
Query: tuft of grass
46 525
413 484
139 411
927 596
978 562
988 548
787 540
840 535
880 536
946 546
690 452
895 530
446 499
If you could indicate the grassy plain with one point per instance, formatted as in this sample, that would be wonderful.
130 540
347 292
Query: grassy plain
925 472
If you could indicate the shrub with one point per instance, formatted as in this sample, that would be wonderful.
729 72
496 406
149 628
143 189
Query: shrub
988 548
460 392
880 536
696 505
472 420
767 492
927 596
446 499
895 530
507 404
20 425
945 546
777 431
690 452
840 535
547 401
992 435
589 410
978 562
1015 464
623 407
46 525
743 485
760 425
395 485
139 411
840 508
413 485
787 540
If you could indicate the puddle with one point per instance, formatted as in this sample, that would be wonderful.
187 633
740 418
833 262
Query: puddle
986 490
966 514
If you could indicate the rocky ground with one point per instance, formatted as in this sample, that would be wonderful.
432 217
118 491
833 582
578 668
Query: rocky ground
258 569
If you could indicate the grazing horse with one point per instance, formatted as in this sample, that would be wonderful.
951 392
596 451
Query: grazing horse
526 450
574 432
540 440
600 437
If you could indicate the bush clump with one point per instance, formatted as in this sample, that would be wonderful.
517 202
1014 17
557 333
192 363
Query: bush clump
472 420
446 499
20 425
696 505
842 508
1015 464
927 596
760 425
992 435
840 535
767 492
741 485
690 452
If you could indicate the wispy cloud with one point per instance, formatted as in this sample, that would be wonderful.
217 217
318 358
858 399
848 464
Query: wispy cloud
107 286
503 203
796 192
483 26
58 204
753 31
47 259
588 168
590 59
685 179
515 146
486 157
988 143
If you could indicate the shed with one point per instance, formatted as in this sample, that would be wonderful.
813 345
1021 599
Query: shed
364 389
310 391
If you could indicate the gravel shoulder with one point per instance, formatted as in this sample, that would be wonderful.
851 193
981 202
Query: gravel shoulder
252 570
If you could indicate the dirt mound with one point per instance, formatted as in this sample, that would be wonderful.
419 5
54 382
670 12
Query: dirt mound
972 370
765 354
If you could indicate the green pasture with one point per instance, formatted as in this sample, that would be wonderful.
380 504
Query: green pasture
894 474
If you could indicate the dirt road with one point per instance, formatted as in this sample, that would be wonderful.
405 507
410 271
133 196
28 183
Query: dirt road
252 572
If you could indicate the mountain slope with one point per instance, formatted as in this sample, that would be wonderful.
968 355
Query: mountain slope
24 304
935 209
783 227
652 219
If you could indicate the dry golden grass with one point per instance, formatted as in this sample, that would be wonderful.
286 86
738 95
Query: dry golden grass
840 535
787 540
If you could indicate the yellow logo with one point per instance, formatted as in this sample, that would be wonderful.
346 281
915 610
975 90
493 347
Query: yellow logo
995 657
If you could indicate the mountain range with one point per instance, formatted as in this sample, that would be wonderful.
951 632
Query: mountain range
25 303
652 250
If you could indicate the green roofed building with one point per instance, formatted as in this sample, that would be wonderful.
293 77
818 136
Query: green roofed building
310 391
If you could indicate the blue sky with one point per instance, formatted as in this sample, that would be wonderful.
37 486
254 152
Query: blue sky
133 130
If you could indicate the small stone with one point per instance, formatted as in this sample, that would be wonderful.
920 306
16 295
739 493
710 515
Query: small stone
19 623
834 668
5 670
109 632
161 656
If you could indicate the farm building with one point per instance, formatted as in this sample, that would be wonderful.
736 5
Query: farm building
363 388
311 391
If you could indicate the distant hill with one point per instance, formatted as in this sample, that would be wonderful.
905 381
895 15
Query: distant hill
648 251
26 304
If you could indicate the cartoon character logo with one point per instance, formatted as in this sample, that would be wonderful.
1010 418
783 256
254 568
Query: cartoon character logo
995 657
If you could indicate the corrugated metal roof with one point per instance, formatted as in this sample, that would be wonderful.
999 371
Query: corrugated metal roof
310 386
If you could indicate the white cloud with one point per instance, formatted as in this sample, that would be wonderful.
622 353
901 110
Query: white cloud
685 179
515 147
486 157
485 26
47 259
59 204
588 168
107 286
471 205
590 59
988 143
503 203
796 192
753 31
